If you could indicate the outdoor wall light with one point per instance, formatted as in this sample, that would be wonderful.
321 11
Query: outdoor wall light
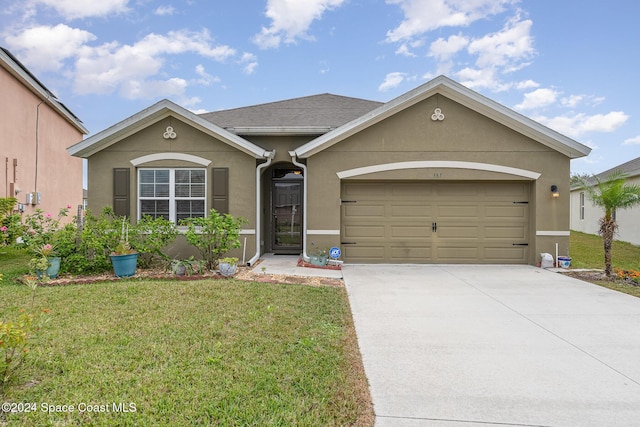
554 191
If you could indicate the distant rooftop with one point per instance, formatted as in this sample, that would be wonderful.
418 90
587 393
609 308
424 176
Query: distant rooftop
630 168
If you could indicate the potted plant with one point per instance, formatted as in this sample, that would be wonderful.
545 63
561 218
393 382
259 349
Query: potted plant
319 256
124 258
228 266
45 263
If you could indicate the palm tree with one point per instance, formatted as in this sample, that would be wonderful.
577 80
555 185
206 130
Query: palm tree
611 193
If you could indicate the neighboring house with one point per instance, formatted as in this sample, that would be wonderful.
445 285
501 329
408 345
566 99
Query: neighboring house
585 216
36 130
440 174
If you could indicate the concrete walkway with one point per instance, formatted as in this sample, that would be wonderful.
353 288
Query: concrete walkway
288 265
459 346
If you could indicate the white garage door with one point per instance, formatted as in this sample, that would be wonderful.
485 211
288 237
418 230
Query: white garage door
427 222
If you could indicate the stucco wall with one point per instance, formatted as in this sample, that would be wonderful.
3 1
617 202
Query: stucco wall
628 219
189 141
53 172
463 135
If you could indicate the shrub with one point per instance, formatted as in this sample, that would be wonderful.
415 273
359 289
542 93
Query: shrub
151 236
214 235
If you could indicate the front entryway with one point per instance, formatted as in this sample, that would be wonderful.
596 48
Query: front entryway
286 211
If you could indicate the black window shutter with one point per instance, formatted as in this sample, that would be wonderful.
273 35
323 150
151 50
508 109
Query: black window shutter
220 194
121 191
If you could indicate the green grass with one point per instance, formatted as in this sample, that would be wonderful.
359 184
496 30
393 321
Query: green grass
211 352
587 252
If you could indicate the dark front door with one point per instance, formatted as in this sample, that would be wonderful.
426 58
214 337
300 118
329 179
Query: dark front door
286 216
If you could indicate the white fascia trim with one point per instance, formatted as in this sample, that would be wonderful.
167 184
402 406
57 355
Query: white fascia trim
280 130
553 233
171 156
421 164
153 114
324 232
42 92
462 95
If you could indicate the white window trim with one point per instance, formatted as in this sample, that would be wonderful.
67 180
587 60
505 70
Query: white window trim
172 197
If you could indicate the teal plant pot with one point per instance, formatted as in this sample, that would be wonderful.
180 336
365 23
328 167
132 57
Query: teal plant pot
53 270
124 265
320 260
227 269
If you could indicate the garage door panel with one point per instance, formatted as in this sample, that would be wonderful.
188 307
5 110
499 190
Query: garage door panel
507 211
410 232
404 253
506 232
364 231
411 211
363 253
458 211
504 254
364 210
462 222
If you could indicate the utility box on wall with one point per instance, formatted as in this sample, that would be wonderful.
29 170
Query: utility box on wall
33 198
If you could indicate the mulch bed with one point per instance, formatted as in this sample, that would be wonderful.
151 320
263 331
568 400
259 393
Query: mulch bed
244 273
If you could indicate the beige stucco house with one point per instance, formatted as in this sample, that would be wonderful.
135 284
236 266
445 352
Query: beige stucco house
36 130
585 216
440 174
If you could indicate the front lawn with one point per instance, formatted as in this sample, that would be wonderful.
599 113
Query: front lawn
175 353
587 252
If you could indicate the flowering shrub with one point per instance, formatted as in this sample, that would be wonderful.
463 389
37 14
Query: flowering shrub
42 228
628 275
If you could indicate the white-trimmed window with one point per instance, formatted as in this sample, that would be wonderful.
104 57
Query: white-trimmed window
582 205
172 193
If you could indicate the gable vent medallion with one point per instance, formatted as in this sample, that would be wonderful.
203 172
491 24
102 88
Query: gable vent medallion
170 133
437 115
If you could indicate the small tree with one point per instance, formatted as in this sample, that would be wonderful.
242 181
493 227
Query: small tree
611 193
214 235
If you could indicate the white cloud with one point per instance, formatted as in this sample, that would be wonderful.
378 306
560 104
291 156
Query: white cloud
404 51
205 78
110 66
632 141
527 84
507 48
291 20
149 89
572 101
538 98
165 10
45 48
579 124
250 62
421 16
485 78
73 9
443 49
391 81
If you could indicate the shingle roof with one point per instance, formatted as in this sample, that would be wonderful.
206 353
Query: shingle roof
630 168
325 111
22 73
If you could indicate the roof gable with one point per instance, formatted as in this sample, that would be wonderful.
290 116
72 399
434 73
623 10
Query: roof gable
23 75
316 114
154 114
464 96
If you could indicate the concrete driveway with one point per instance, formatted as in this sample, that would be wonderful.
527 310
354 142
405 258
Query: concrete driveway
461 345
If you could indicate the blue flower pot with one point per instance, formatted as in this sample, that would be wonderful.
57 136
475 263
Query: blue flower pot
124 265
52 271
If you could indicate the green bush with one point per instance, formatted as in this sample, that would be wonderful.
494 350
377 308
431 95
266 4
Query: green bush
214 235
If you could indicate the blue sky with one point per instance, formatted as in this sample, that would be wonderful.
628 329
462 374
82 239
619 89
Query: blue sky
571 65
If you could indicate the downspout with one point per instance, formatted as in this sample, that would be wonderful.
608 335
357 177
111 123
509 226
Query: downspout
269 156
294 156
